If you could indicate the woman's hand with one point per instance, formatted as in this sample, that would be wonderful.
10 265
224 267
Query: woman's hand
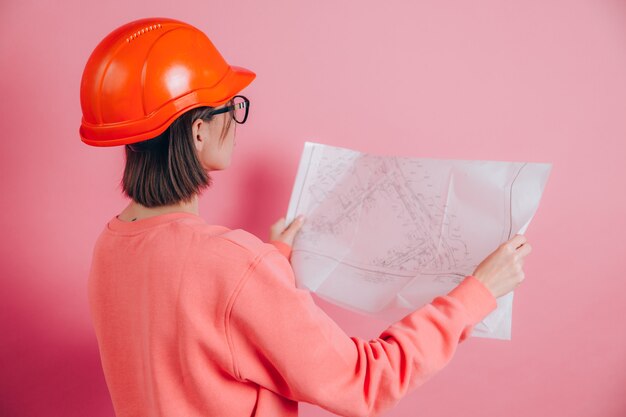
502 271
278 231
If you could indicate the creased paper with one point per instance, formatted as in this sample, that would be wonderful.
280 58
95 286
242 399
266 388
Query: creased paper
385 235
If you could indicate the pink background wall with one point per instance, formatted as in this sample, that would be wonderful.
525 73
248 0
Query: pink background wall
532 80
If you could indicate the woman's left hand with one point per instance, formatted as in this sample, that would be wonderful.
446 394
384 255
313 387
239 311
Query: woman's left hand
278 231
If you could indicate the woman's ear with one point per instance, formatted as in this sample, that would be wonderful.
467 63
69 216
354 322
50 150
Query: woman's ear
198 133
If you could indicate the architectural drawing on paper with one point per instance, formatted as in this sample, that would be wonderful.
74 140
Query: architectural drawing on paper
350 190
385 235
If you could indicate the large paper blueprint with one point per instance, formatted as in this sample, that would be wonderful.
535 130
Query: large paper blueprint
385 235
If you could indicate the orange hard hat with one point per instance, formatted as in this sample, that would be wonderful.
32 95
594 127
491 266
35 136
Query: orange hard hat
145 74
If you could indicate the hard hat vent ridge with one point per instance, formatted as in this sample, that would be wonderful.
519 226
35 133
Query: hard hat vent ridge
142 31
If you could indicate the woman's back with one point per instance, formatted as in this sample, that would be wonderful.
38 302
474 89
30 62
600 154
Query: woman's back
199 320
159 290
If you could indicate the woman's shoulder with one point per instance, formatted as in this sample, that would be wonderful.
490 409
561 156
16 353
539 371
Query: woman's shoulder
246 241
236 241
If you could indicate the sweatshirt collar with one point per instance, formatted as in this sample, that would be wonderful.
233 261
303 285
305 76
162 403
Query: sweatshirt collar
122 226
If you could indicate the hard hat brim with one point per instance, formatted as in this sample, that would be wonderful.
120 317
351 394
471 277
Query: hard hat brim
152 125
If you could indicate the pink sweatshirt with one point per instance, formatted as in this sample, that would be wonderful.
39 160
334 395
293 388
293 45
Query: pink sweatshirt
194 319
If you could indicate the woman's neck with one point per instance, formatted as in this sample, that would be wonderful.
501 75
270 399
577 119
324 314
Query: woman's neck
135 211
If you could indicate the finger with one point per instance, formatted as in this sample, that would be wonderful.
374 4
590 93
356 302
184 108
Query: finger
296 223
294 226
524 249
517 241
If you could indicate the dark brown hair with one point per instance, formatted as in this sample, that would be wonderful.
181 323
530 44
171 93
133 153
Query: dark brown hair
166 170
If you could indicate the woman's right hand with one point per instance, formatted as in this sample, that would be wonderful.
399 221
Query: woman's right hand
286 234
502 271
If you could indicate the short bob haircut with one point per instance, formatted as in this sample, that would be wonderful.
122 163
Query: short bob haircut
165 170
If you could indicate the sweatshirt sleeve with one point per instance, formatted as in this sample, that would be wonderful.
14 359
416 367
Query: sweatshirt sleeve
280 339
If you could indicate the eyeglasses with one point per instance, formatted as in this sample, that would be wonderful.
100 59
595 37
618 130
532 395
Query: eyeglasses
238 109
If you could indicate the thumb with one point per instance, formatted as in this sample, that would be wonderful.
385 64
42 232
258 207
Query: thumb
293 227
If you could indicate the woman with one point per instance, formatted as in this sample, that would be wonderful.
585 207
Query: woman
194 319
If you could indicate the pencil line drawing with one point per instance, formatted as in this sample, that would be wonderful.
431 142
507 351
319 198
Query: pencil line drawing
384 234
